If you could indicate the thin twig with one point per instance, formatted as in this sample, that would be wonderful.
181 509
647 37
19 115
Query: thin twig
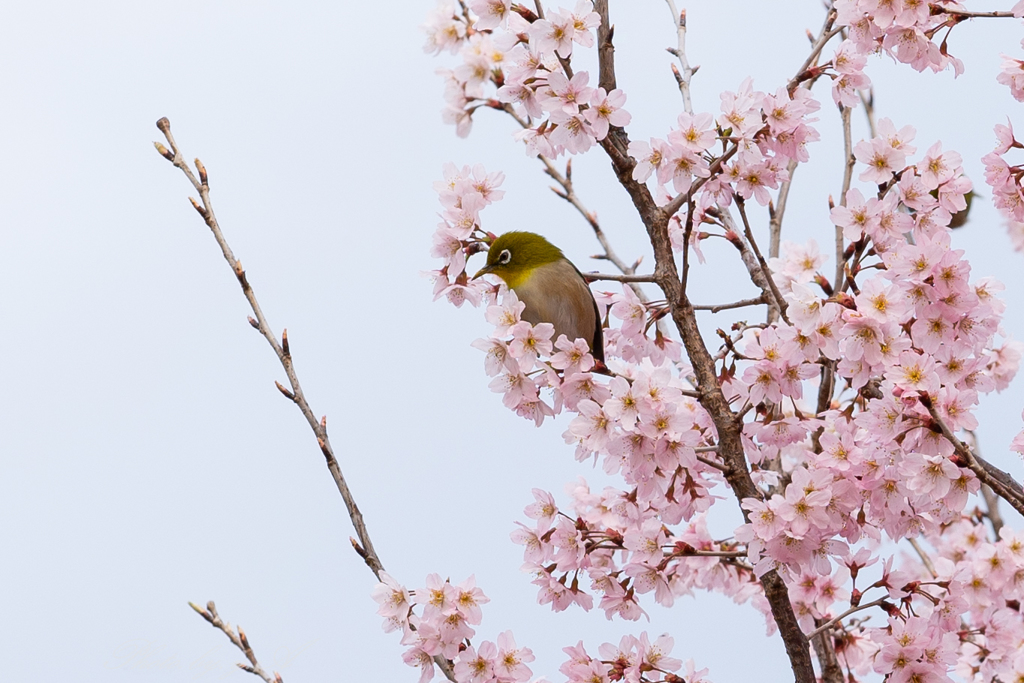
923 556
826 34
363 546
849 160
237 639
715 308
777 212
978 15
685 73
779 299
613 277
281 349
995 518
853 610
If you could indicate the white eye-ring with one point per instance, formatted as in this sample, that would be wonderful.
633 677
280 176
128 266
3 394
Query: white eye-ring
504 257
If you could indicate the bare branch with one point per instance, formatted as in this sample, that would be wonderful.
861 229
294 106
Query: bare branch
826 34
685 73
281 350
743 303
238 639
995 518
364 546
849 162
853 610
593 277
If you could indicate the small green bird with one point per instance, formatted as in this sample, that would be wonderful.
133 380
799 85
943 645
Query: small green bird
552 288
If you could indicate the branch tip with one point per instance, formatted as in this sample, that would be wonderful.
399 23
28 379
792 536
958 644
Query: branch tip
288 394
197 207
164 124
164 152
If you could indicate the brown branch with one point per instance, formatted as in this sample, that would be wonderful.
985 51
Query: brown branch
364 546
750 262
826 34
827 660
605 48
729 426
1001 483
237 639
762 264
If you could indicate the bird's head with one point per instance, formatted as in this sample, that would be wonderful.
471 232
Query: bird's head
514 255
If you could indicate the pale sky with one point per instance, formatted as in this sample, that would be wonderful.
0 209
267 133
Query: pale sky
146 458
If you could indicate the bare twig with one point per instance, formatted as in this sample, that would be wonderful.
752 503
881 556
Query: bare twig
853 610
237 639
743 303
826 34
363 546
923 556
319 427
777 212
848 163
685 73
592 277
978 15
995 518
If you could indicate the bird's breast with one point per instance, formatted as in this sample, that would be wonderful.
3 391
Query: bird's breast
555 293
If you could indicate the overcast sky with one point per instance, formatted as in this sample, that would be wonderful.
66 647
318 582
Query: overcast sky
146 459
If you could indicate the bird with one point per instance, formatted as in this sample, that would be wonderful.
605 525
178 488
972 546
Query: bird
552 288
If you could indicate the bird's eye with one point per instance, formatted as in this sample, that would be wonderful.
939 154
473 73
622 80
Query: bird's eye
504 257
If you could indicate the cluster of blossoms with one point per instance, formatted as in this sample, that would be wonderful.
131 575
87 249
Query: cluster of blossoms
443 628
511 60
1012 74
1005 181
848 396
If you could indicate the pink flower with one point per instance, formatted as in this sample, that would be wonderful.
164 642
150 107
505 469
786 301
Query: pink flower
511 660
606 110
490 13
529 342
476 667
555 33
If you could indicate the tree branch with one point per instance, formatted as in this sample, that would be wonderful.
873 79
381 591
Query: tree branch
743 303
237 639
849 162
853 610
363 546
685 73
1000 482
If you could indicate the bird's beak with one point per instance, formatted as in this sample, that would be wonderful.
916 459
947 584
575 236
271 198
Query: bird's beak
482 271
